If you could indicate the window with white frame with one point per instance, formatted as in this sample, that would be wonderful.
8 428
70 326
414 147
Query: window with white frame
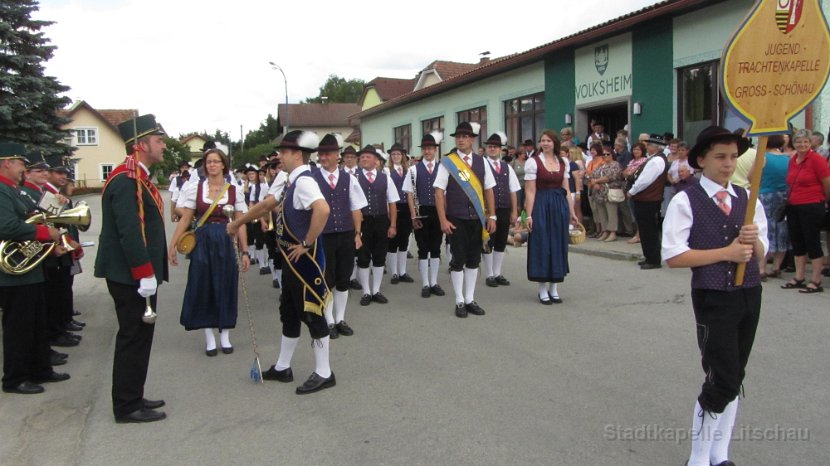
86 136
106 169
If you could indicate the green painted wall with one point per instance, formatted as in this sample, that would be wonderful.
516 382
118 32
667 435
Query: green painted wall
559 89
652 77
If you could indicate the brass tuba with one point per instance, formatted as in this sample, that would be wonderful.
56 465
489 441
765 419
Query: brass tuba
20 257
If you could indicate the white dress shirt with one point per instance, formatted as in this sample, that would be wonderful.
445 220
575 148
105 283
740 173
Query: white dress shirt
655 166
442 178
391 191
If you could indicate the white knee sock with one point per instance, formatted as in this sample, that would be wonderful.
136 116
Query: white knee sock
364 279
210 339
340 300
552 291
263 259
321 357
392 262
488 264
354 272
287 347
448 251
720 444
225 338
457 279
498 260
401 263
377 278
470 277
327 312
543 291
423 269
434 267
704 425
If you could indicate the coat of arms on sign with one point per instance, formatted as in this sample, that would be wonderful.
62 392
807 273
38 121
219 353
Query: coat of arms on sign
601 58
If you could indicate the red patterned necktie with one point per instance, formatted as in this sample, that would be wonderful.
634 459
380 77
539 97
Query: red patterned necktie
498 168
467 159
429 168
721 197
331 180
371 177
400 171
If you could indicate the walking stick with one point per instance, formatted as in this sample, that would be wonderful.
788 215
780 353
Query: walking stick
256 368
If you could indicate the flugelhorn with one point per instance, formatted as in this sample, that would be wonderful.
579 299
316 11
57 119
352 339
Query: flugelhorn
415 196
20 257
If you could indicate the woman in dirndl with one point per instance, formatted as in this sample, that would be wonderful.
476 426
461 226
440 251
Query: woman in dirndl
550 210
210 297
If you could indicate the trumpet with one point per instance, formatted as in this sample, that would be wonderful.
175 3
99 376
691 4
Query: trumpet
20 257
415 196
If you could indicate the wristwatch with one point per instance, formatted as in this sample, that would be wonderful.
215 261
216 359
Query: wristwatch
493 217
304 244
245 253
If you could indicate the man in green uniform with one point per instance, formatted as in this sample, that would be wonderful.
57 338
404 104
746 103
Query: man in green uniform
133 259
25 348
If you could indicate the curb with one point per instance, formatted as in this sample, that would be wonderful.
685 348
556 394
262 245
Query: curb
615 255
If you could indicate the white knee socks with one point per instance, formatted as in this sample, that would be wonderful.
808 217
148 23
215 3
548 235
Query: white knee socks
457 279
210 339
225 338
327 312
364 279
377 277
321 357
392 262
720 444
704 425
470 277
401 263
423 269
434 266
498 260
340 300
488 264
287 347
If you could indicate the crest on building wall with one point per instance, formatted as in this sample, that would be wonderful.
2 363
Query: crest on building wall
787 14
601 58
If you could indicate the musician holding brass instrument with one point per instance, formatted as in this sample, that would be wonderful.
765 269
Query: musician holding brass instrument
421 200
341 235
26 361
135 262
211 295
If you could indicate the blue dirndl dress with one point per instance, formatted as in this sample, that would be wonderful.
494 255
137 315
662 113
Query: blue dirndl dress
547 244
210 298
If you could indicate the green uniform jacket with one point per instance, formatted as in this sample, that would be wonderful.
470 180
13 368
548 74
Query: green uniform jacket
13 214
122 255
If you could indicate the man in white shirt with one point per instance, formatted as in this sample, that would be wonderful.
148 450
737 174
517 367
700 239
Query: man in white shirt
504 192
647 195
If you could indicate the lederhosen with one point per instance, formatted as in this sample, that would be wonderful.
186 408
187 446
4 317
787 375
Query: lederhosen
465 242
375 221
726 315
429 235
255 233
58 288
292 299
338 234
498 240
647 212
400 243
25 343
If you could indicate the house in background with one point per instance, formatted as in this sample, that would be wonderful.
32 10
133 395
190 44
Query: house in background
94 132
379 90
194 143
319 118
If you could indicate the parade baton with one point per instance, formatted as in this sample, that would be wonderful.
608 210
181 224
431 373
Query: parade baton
775 64
256 368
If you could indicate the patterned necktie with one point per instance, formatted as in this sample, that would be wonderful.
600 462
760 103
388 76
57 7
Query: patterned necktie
467 159
721 197
498 168
371 177
400 171
429 167
331 180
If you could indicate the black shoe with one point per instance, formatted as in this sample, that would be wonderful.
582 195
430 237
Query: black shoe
425 293
546 302
333 332
556 299
78 322
285 375
406 278
315 383
395 279
57 354
502 281
152 404
141 415
264 271
53 377
379 298
228 350
25 388
648 266
355 285
74 336
460 310
275 283
725 463
344 329
474 309
641 263
54 360
437 290
211 352
491 282
365 300
73 327
64 341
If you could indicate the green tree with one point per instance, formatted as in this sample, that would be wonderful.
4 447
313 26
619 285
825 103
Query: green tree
340 90
29 101
173 154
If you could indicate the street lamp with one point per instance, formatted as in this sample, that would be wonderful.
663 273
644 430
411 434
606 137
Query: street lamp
274 66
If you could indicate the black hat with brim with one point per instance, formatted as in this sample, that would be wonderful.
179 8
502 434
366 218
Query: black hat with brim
428 141
349 150
139 127
655 139
305 141
330 143
13 150
370 150
464 128
714 135
528 142
250 168
397 147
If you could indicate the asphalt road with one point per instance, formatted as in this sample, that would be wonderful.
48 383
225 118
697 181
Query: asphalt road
609 377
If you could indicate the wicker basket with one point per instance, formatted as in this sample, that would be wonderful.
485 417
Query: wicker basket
577 235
